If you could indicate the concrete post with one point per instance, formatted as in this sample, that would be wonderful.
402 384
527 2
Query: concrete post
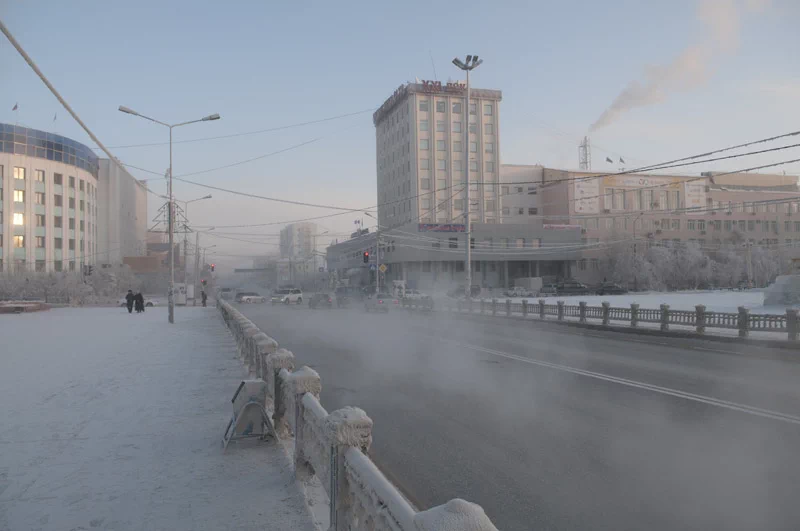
494 307
455 514
483 306
541 308
508 307
254 367
582 311
744 321
524 308
345 428
606 312
469 305
664 317
791 324
277 361
305 380
700 319
560 310
634 315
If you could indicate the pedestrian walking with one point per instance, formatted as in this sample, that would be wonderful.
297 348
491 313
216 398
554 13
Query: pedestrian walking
204 297
129 299
139 299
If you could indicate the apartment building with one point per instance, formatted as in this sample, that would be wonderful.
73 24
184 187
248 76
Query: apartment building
423 153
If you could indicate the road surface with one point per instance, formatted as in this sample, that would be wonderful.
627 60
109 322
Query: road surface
550 427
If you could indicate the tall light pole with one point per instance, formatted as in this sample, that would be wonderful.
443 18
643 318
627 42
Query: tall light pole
314 256
472 62
171 219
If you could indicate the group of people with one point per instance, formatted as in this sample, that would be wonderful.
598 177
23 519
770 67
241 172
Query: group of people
134 301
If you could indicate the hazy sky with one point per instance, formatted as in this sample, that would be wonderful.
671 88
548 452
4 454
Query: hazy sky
706 74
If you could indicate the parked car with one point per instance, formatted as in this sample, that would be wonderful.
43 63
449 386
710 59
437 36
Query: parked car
287 296
250 297
225 293
474 291
518 291
320 300
380 302
610 288
416 297
148 302
549 289
572 287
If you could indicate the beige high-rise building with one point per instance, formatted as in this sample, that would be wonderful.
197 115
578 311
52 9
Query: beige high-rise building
421 154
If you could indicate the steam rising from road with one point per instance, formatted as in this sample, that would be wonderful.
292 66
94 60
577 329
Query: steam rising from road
721 20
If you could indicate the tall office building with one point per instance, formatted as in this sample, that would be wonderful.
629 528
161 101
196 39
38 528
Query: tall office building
422 156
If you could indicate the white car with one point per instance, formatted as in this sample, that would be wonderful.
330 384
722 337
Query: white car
148 302
252 299
287 296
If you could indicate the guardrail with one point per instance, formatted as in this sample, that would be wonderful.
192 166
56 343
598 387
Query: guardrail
333 446
700 319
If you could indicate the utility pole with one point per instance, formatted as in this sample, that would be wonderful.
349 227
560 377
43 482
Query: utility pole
196 265
749 247
470 64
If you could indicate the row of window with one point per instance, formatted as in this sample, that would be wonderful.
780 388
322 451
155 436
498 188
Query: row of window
458 165
40 266
58 179
441 127
441 184
18 219
58 243
441 106
441 145
742 225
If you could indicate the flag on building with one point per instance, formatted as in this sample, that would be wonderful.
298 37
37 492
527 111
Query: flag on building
55 116
621 160
16 106
608 159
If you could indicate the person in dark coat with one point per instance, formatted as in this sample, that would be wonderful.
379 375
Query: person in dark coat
139 299
129 299
204 297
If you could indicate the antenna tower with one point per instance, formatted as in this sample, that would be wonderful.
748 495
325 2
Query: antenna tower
585 155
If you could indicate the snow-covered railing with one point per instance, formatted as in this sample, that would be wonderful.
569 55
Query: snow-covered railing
333 446
699 319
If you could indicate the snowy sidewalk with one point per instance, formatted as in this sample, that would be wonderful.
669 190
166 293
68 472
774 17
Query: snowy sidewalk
113 421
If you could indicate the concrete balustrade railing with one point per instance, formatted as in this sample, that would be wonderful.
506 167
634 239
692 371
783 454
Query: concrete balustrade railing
333 446
699 320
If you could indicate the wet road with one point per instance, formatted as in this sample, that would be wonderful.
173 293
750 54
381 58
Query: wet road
552 428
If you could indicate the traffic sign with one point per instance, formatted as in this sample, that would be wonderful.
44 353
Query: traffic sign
373 267
383 268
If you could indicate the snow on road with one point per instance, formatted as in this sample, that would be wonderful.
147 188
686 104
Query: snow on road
113 421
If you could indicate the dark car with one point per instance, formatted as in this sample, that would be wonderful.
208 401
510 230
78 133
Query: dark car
320 300
346 294
572 287
380 302
610 288
474 291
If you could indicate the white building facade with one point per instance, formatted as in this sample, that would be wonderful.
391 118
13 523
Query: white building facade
48 201
422 154
122 214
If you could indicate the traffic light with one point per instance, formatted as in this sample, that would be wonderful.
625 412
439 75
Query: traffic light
212 267
366 257
204 282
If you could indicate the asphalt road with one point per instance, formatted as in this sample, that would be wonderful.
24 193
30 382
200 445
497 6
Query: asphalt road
551 427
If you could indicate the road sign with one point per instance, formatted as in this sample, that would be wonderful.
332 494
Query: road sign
383 268
373 267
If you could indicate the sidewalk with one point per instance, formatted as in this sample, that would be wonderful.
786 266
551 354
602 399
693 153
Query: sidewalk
113 421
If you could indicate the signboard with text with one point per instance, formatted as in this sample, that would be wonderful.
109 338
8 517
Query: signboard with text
441 227
551 226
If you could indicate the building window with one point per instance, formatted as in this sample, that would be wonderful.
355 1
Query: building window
458 205
473 108
441 106
58 243
19 218
81 205
19 173
423 105
424 164
424 144
71 244
40 242
520 243
441 164
72 202
456 107
701 224
787 226
441 126
72 223
425 203
58 179
506 211
532 211
489 166
487 109
19 196
19 241
473 147
441 184
490 205
473 128
39 198
39 175
458 165
72 266
488 129
456 127
425 184
40 220
81 225
453 243
520 211
72 182
423 125
57 222
473 165
441 145
457 146
81 185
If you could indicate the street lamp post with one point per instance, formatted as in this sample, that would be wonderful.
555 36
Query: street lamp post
314 257
171 219
471 63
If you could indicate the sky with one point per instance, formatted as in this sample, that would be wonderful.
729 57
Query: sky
680 76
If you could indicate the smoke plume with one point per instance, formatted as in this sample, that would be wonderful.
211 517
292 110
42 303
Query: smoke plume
693 66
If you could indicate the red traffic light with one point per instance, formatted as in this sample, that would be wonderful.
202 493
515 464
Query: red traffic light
212 267
366 257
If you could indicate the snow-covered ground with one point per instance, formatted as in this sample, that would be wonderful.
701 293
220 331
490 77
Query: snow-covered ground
715 301
113 421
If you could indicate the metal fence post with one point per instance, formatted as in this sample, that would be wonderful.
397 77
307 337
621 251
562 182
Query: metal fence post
560 310
524 308
664 317
494 307
700 318
744 321
791 324
606 312
541 308
582 311
634 315
508 307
